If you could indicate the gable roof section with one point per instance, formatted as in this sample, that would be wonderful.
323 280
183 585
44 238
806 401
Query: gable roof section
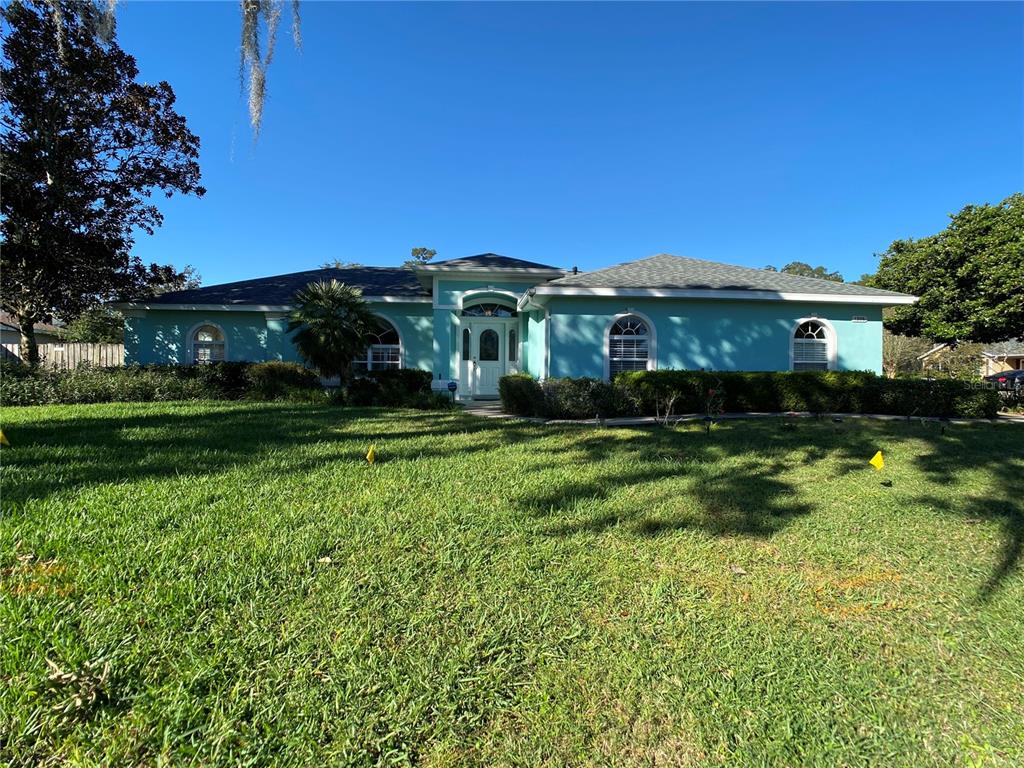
677 276
486 261
397 283
10 322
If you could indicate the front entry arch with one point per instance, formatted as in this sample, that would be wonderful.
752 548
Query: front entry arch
489 345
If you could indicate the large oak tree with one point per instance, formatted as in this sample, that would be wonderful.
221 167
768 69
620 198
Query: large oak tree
970 277
83 148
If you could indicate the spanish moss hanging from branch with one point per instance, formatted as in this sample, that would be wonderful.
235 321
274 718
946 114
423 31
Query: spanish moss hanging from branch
261 17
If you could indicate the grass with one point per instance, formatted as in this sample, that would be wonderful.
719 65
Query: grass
232 584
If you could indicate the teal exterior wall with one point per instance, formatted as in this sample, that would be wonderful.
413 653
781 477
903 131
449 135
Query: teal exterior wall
709 334
162 336
690 334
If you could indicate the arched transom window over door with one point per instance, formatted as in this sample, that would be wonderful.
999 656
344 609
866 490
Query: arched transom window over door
629 345
385 350
811 347
207 344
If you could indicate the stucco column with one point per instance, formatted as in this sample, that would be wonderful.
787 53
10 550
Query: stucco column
443 330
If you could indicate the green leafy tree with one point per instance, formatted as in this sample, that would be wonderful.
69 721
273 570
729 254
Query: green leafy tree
419 256
806 270
339 264
83 147
331 325
98 325
969 277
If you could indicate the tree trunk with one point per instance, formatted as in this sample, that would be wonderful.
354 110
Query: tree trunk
28 349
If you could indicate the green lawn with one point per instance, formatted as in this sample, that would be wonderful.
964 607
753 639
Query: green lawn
231 584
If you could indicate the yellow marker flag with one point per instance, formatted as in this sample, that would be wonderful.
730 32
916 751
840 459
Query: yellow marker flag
877 461
371 455
3 439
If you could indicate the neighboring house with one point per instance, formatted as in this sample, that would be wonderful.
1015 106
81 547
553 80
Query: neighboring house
992 359
472 320
10 334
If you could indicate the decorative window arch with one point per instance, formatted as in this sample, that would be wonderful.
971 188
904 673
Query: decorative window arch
488 309
385 350
207 343
812 345
629 344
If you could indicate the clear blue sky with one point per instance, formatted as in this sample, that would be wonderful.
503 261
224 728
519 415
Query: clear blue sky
587 134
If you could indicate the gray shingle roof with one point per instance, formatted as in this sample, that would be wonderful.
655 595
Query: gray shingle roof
667 271
279 289
1009 347
491 261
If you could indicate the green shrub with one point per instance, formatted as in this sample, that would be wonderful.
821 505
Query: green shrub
363 392
277 380
812 391
583 398
400 386
521 395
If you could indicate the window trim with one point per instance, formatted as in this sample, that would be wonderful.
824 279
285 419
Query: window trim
652 341
367 360
190 350
831 341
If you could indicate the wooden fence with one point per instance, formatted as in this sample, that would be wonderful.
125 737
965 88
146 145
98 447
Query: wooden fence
68 356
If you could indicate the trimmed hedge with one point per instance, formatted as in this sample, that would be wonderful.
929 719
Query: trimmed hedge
273 380
673 392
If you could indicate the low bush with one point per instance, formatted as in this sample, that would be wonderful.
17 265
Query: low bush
811 391
521 395
21 385
394 388
667 392
277 380
583 398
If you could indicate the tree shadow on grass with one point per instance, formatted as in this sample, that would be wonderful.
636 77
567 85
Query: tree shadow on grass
733 479
1002 455
66 455
750 495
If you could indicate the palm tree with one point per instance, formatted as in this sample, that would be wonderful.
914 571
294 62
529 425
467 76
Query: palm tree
331 324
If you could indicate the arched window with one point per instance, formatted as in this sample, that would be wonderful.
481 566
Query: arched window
629 345
488 310
811 347
207 344
467 349
512 346
385 350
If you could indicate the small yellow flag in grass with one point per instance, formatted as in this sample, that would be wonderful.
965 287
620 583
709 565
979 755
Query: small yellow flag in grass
371 455
3 439
877 461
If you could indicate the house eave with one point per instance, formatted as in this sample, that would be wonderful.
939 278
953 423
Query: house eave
543 292
157 306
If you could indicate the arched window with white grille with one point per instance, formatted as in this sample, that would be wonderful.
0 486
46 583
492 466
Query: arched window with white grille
813 346
629 345
208 345
385 350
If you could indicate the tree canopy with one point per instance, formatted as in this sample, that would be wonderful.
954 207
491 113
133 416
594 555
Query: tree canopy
83 147
806 270
969 277
419 256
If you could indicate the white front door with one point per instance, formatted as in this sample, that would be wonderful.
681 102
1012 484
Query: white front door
489 357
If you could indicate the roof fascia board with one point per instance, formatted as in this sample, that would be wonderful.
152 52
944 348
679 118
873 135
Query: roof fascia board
260 307
711 293
477 271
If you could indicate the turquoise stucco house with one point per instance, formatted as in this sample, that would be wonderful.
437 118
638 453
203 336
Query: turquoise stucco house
472 320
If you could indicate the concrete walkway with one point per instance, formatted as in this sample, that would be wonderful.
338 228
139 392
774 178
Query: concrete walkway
492 409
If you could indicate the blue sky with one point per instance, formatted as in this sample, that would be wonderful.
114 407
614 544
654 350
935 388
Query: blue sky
587 134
